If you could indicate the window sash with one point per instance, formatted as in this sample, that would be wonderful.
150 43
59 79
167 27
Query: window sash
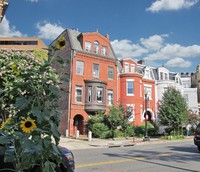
88 46
130 87
95 70
110 73
110 97
79 93
79 67
104 50
99 94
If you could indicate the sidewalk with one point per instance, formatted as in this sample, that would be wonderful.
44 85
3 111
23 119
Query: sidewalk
83 143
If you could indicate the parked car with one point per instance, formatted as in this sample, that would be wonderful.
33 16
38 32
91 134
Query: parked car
197 137
67 164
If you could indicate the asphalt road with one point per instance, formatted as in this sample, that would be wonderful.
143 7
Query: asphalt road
174 156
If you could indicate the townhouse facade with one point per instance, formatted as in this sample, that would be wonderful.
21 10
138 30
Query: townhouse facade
91 71
3 7
195 83
97 80
137 91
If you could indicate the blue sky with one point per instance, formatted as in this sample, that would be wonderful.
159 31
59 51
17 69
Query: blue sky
162 32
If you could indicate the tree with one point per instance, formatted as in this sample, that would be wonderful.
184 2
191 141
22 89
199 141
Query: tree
113 119
173 109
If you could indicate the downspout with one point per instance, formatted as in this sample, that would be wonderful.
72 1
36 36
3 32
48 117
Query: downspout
70 88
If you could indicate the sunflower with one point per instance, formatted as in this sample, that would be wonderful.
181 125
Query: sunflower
28 125
60 43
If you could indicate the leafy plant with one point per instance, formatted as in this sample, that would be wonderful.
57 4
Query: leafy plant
29 90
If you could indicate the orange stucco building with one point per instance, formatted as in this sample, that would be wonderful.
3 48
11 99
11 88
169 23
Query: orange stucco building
97 80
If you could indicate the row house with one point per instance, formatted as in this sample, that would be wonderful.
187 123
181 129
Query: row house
91 70
195 82
137 91
164 79
97 80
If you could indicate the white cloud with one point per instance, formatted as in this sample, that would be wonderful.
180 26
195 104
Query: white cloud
166 5
154 42
9 31
49 31
178 62
126 49
170 51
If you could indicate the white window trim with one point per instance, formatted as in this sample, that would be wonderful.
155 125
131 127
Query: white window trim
131 80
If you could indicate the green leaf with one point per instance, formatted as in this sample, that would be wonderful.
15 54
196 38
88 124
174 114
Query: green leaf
21 102
49 166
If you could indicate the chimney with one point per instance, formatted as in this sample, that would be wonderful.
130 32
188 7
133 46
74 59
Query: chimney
107 36
140 62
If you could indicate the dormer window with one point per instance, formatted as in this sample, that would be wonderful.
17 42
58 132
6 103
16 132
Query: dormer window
104 50
147 73
88 46
96 47
126 67
132 68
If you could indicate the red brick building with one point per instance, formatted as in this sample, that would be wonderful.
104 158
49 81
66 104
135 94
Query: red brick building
92 75
136 81
97 80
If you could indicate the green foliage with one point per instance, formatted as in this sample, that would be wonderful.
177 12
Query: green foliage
29 92
173 109
113 119
100 130
114 124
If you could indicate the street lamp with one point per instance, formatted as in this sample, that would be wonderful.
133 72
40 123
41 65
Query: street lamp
146 137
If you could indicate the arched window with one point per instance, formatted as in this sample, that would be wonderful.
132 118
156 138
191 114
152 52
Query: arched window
96 47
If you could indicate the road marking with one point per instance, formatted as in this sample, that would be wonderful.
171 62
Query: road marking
121 160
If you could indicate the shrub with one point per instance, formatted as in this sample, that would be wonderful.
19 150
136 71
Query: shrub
99 130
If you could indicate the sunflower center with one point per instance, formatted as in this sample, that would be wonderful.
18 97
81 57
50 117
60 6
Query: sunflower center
28 124
62 43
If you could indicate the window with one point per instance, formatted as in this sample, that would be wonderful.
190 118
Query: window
110 97
148 91
110 73
130 87
147 73
96 70
96 47
99 94
130 112
161 76
89 99
104 50
132 68
166 76
126 67
88 46
79 67
78 94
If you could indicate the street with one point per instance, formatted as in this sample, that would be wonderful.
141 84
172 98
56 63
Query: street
174 156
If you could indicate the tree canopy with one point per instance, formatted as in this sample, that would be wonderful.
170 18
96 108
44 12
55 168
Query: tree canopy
173 109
